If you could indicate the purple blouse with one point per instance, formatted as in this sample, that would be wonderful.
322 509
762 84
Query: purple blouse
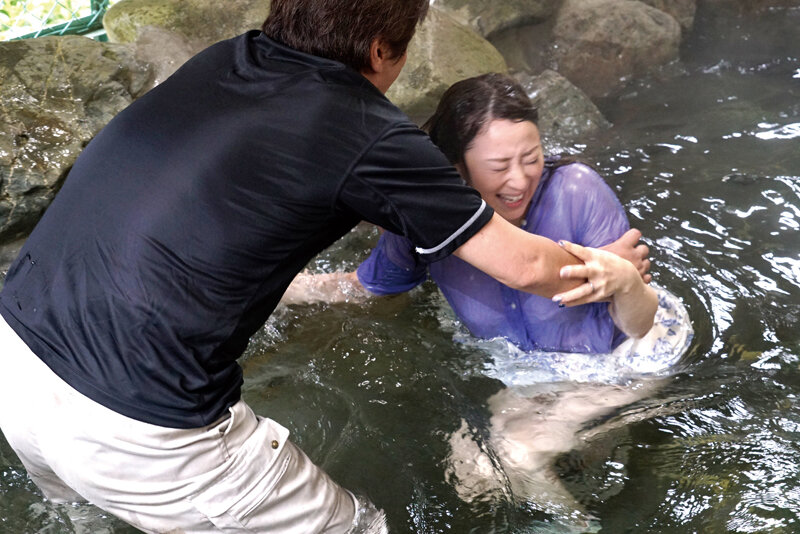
572 202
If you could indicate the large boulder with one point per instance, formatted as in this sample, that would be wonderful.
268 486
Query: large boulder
488 18
167 33
200 21
681 10
597 44
441 53
56 94
600 44
566 114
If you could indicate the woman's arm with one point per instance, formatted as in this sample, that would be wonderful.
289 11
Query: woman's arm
609 277
307 288
629 248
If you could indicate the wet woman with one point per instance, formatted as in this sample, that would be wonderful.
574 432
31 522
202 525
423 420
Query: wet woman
574 357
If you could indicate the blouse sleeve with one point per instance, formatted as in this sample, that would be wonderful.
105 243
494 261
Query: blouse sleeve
392 268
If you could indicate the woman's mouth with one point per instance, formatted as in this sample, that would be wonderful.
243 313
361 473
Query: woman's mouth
512 201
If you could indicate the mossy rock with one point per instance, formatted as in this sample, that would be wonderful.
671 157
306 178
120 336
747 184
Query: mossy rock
203 21
442 52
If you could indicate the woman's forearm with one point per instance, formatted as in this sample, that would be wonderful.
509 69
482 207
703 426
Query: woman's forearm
307 288
634 310
607 277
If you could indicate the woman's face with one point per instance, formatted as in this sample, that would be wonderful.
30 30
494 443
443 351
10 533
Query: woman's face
504 163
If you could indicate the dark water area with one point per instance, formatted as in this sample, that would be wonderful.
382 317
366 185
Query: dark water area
705 157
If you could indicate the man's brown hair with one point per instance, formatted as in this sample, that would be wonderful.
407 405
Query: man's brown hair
343 30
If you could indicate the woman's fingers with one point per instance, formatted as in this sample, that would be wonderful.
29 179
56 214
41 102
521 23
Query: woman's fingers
582 294
576 250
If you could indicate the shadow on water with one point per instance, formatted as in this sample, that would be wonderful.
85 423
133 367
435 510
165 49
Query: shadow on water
705 158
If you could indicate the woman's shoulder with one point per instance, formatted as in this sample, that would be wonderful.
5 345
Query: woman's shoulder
573 172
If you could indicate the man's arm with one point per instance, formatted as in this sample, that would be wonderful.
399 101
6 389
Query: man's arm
518 259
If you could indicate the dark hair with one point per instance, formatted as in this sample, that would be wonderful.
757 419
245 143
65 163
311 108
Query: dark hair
469 105
343 30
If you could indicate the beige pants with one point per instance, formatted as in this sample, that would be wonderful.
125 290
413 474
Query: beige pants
240 474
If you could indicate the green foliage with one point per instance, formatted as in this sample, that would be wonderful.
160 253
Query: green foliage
24 17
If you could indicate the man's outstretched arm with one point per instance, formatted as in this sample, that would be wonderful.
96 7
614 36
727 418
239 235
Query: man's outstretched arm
518 259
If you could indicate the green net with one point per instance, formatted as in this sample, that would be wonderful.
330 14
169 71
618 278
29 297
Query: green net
20 19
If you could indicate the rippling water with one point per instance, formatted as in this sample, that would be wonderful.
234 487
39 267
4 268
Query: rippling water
706 158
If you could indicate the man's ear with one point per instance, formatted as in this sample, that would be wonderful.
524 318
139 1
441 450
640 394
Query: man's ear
378 53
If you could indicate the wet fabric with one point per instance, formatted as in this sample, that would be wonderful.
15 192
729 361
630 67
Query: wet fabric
654 354
572 202
184 220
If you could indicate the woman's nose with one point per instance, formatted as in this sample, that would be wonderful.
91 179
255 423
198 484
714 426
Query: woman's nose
517 177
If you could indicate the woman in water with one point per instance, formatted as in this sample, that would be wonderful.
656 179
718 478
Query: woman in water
556 382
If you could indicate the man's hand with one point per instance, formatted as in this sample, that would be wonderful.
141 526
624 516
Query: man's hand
629 248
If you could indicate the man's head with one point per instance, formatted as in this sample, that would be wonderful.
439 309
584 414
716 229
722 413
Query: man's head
346 30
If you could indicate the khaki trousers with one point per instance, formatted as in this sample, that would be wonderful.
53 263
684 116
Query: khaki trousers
240 474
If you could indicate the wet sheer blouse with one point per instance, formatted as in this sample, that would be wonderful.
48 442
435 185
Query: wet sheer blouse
572 202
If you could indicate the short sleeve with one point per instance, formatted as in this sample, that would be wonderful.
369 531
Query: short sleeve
404 184
392 267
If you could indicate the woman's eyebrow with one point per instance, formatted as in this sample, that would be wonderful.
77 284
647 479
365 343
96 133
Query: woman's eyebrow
531 151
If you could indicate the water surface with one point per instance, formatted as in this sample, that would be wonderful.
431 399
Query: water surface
705 156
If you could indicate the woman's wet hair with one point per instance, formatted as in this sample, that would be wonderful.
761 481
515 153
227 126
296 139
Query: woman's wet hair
343 30
470 105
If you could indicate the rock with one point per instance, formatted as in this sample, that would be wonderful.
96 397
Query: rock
441 53
164 51
488 18
681 10
565 112
167 33
56 94
597 44
600 44
203 22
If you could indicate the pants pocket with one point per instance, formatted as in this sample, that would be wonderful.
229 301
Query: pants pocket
245 481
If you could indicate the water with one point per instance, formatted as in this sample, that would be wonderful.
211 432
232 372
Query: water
706 158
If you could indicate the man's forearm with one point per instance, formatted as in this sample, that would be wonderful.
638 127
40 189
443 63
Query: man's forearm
518 259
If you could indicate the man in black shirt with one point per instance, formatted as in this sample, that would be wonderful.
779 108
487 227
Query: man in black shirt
173 239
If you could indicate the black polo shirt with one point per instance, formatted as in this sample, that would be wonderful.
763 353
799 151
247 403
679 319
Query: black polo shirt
182 223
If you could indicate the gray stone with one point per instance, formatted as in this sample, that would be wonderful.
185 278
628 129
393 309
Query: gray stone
566 114
56 93
600 44
200 21
681 10
488 18
167 33
441 53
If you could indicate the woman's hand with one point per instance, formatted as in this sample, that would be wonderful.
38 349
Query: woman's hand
610 278
629 248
